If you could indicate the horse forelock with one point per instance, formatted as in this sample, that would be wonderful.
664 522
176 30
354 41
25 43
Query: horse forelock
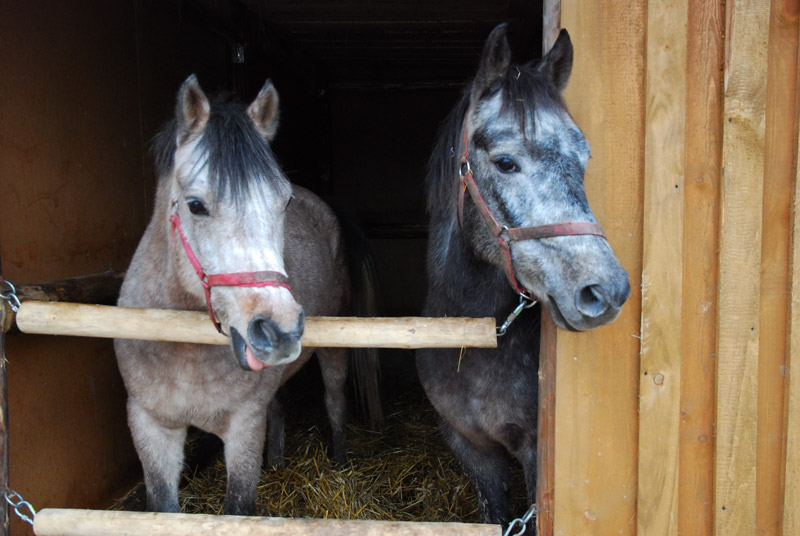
230 149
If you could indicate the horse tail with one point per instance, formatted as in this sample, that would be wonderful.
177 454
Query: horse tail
364 362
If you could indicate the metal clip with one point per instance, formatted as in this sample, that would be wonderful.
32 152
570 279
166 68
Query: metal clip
525 302
522 521
16 501
10 295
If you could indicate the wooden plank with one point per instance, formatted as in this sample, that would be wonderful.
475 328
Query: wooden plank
740 266
704 59
56 318
598 371
779 150
662 268
63 522
791 497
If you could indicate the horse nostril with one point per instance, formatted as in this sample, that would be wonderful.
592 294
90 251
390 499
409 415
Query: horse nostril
590 301
266 336
262 333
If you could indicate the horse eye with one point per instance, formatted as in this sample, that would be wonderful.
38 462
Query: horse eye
506 164
197 207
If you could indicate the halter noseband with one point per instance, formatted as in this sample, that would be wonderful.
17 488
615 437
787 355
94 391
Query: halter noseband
505 235
264 278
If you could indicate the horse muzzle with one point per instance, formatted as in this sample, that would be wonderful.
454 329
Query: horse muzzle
591 305
267 344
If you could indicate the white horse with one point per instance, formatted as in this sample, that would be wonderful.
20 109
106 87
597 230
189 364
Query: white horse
230 235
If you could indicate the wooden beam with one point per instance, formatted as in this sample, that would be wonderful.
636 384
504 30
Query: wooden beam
740 266
704 60
598 372
63 522
195 327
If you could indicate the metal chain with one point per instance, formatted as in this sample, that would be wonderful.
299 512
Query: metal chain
16 501
522 522
525 302
9 295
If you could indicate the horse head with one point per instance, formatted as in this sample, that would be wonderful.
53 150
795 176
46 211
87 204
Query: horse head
525 160
227 200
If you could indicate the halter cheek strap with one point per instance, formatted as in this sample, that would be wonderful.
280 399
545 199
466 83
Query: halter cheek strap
266 278
505 235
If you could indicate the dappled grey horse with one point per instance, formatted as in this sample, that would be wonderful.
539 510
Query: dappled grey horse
509 225
229 235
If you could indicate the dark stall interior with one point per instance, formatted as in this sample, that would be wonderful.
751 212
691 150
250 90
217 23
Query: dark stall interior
363 85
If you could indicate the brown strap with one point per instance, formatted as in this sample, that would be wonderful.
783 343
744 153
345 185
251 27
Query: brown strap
570 228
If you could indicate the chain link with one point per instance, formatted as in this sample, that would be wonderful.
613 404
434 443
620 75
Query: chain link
17 502
9 293
522 522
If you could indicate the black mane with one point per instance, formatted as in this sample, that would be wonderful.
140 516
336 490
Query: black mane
236 154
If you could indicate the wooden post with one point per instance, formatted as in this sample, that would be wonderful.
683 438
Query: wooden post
4 519
546 427
62 522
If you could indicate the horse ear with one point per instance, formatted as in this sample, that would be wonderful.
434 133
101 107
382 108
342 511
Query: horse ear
264 111
557 64
192 109
495 61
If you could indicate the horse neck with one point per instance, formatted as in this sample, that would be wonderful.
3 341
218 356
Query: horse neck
460 283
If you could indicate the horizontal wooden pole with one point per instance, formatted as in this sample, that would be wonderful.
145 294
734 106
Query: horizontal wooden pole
58 318
64 522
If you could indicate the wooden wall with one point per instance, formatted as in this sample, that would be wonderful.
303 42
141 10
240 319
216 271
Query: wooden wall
683 416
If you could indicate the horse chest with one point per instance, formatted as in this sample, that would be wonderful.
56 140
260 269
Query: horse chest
195 385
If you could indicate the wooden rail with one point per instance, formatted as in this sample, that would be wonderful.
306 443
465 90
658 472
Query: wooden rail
62 522
56 318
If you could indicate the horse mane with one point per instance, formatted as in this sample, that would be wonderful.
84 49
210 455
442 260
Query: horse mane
235 153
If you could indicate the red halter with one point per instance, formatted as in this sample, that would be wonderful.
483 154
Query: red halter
505 235
239 279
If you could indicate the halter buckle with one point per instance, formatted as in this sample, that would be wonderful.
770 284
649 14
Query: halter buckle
465 168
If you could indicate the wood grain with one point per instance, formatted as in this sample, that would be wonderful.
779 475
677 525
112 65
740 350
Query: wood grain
597 372
662 270
740 266
703 148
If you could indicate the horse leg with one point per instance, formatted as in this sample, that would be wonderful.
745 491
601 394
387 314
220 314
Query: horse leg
487 468
160 450
333 364
275 434
244 447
